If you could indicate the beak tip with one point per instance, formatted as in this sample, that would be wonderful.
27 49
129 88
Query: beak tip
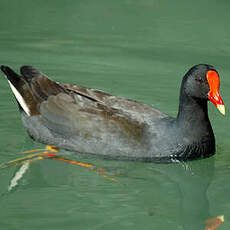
221 108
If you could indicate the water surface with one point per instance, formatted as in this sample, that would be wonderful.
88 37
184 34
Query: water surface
135 49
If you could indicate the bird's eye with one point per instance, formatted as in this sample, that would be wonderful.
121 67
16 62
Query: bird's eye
199 79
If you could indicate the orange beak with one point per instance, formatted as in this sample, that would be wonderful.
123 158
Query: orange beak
214 95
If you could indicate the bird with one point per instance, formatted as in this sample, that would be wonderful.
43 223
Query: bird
90 121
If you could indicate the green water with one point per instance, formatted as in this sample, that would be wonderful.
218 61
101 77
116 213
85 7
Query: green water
136 49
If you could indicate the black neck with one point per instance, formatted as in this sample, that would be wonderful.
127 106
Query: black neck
195 128
192 118
192 109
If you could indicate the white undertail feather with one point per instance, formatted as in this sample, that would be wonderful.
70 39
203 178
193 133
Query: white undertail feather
20 99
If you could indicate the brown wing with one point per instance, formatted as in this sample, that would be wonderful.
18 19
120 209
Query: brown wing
135 109
79 115
76 110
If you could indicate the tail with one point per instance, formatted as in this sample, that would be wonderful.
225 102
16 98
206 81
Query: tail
17 86
30 89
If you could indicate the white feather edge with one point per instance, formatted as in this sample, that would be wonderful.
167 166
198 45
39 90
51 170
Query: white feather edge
20 99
